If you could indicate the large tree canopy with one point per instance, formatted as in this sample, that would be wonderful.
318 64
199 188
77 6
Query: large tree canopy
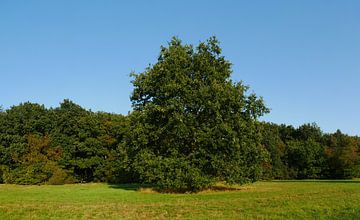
192 125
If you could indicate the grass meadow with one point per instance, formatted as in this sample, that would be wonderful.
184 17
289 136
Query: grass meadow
261 200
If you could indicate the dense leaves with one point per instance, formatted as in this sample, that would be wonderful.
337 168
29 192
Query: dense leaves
61 145
305 152
192 126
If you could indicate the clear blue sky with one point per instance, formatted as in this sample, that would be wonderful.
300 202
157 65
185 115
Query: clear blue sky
303 57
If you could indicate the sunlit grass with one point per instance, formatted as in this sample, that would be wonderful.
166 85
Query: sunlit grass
262 200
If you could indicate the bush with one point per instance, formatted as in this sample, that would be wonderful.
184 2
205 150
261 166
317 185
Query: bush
59 176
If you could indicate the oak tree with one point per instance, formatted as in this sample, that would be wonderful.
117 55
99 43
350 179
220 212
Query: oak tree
192 125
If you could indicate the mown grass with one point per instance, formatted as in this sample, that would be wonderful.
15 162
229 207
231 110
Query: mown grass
261 200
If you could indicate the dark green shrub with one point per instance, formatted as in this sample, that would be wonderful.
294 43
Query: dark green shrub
176 174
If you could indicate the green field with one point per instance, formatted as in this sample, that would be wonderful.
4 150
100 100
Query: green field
262 200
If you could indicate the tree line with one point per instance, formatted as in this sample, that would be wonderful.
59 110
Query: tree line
191 127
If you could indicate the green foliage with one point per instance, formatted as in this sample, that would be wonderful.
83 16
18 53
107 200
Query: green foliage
89 141
170 173
305 159
305 152
36 164
191 125
271 140
26 118
343 155
56 146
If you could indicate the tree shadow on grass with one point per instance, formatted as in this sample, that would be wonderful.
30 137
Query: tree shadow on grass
223 188
145 188
148 188
129 186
